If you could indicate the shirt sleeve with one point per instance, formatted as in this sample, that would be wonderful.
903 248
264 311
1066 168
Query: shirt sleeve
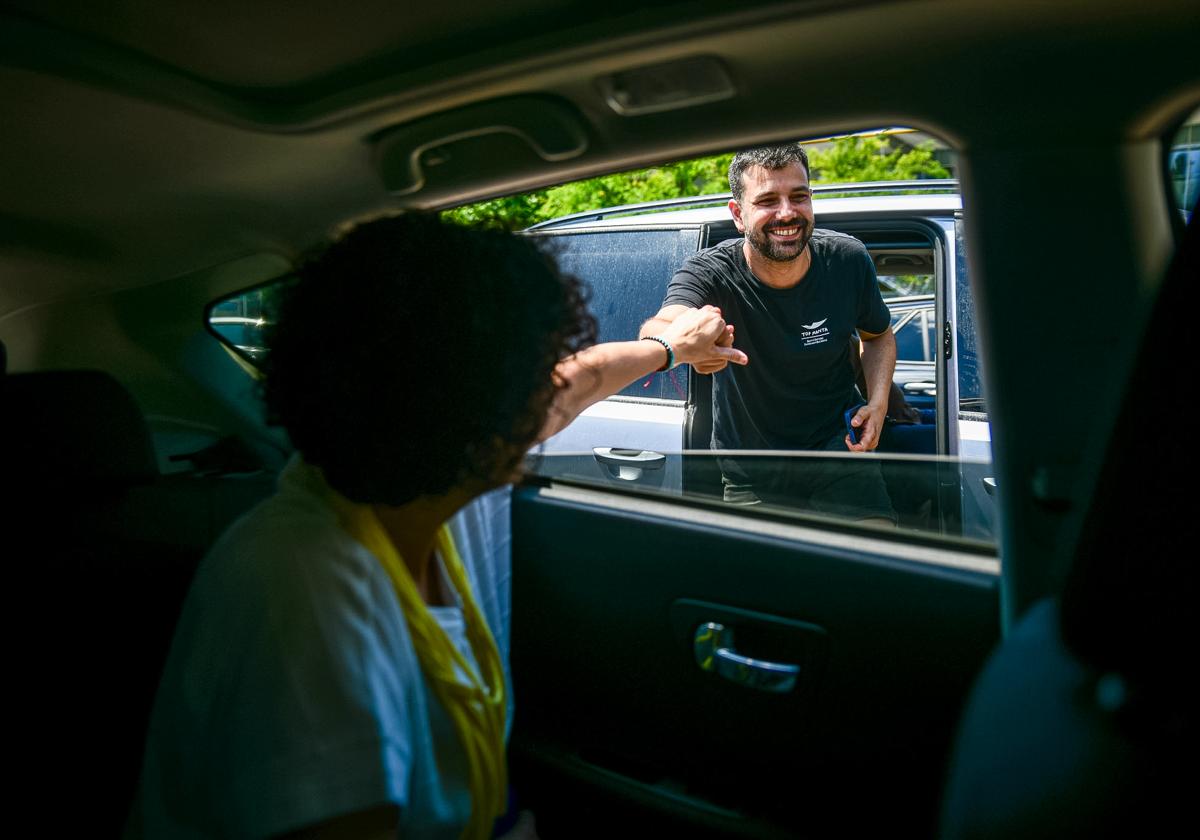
873 315
691 286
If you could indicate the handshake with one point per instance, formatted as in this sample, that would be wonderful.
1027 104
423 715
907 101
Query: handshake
697 337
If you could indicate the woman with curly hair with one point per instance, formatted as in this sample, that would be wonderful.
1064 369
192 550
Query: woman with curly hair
340 667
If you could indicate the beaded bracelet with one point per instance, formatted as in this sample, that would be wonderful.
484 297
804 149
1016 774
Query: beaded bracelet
670 351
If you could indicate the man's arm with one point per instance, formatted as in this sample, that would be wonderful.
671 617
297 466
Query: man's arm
878 363
663 320
695 336
897 406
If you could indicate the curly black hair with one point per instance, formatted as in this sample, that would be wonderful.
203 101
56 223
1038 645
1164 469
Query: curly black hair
411 356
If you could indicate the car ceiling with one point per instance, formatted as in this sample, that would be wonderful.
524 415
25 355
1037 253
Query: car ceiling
143 141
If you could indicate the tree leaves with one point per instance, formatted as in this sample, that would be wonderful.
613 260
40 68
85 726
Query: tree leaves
844 160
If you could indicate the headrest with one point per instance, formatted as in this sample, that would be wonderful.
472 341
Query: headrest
77 426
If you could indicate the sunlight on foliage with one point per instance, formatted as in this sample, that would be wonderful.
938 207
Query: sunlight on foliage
845 160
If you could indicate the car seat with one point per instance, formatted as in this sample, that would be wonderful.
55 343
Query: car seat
102 549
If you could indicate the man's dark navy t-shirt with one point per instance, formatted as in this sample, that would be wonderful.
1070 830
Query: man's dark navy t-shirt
799 380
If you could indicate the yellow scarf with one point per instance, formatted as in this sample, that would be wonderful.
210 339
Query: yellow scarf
477 709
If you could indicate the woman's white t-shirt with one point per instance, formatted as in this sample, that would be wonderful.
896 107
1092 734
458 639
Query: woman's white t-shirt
292 693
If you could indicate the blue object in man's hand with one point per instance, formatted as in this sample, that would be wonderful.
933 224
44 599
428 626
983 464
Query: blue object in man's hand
850 430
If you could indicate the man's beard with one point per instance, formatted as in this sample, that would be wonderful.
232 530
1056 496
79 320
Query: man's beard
780 251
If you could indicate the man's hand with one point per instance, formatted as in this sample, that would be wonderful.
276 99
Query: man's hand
714 366
701 338
878 365
868 420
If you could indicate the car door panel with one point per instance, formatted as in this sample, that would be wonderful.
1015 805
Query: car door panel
608 592
619 441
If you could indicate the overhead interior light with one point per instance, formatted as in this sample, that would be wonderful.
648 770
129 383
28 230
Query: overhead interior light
666 87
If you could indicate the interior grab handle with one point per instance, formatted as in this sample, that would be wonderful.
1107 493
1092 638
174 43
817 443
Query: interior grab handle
713 648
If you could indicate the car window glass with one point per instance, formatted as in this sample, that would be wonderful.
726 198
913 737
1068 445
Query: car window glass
915 336
1183 165
932 471
966 346
930 481
240 321
951 495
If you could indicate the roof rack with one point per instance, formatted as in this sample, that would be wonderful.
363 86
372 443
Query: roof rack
930 185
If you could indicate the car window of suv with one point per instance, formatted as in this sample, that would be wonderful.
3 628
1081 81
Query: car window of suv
915 335
966 335
625 271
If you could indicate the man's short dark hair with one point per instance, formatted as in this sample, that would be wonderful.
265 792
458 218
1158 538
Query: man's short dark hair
411 356
768 157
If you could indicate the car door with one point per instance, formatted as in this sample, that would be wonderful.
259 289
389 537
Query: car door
649 636
655 637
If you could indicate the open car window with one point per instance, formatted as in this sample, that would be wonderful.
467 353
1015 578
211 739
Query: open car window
653 437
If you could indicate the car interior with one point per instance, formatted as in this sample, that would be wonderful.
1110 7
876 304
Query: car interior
162 157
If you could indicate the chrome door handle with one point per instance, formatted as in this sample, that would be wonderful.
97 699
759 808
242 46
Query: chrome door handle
920 387
713 648
641 458
627 464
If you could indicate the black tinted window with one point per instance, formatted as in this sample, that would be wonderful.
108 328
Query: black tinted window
627 272
970 385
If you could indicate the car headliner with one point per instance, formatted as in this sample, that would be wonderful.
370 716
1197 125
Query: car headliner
142 141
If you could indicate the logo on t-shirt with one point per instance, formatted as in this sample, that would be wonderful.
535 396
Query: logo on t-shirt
814 333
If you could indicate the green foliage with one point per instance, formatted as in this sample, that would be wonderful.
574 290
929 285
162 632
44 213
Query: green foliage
690 177
909 284
853 159
845 160
512 212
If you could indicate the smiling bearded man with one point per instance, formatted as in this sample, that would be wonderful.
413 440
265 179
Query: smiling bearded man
797 294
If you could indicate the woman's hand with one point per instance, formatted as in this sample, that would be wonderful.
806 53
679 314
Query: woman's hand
701 338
